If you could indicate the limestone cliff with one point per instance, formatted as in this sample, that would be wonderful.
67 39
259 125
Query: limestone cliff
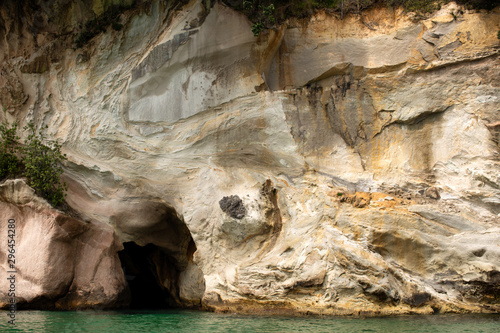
330 165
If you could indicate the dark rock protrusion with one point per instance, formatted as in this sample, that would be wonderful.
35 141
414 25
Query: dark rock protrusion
233 206
273 214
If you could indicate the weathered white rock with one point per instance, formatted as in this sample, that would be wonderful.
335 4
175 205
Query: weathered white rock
181 109
59 262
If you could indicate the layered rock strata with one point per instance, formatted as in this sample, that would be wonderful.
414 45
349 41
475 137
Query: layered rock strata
58 261
364 152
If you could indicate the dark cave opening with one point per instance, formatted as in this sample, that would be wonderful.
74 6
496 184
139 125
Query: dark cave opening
151 275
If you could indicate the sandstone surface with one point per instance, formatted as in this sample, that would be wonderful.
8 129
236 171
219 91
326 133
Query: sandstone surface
59 262
365 152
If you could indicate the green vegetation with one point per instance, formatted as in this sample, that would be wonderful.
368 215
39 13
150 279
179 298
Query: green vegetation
265 13
262 16
9 162
40 164
43 167
418 6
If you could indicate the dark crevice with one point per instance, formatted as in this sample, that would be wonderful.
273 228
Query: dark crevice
412 122
151 275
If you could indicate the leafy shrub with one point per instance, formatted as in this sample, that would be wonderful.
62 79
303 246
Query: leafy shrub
257 28
259 14
43 168
39 163
9 162
262 16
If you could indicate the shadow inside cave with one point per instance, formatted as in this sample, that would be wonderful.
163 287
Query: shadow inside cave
151 275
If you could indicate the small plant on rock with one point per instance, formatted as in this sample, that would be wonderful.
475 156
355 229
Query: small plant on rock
262 16
43 168
10 164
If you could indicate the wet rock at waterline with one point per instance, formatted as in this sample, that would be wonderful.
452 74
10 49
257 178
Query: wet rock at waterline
363 153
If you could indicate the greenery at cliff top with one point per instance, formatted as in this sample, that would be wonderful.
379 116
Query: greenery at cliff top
39 163
265 13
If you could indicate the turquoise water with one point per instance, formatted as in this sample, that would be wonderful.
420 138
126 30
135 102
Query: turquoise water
193 321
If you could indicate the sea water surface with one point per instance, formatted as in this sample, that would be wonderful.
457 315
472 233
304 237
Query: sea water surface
196 321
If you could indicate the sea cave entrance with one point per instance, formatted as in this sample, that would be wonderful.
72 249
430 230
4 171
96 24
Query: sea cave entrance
152 276
158 256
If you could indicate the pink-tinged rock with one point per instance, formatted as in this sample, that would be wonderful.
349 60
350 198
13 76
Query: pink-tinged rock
60 262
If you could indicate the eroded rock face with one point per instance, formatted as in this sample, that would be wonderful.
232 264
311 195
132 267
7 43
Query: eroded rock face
60 262
364 150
